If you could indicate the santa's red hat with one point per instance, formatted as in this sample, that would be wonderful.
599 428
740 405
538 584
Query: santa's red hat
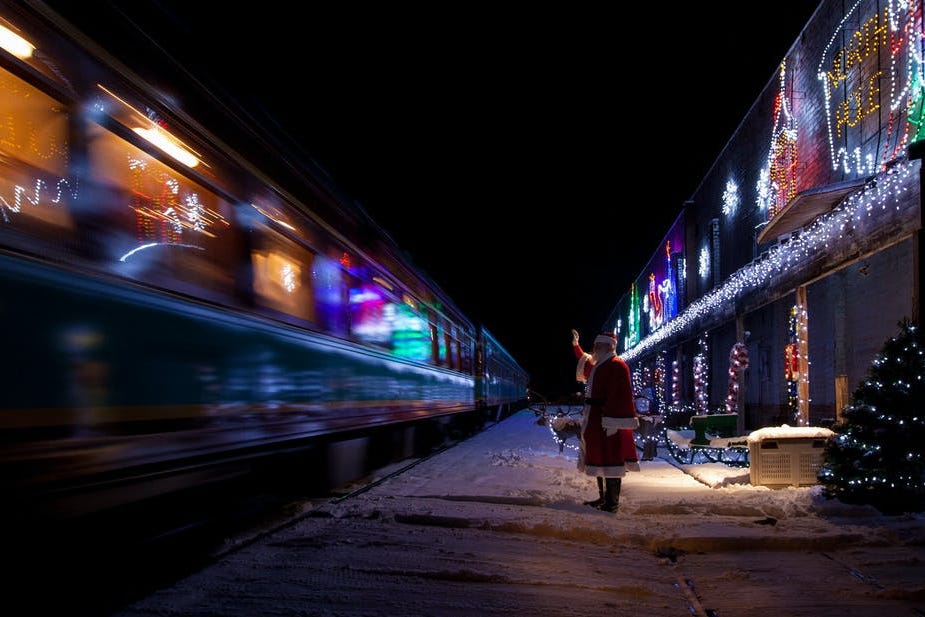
606 337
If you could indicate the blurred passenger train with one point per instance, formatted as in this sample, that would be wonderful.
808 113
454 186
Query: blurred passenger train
170 306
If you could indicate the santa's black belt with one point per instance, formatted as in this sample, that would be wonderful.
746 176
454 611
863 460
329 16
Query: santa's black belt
594 401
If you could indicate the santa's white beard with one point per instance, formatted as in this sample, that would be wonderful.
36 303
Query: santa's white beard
600 356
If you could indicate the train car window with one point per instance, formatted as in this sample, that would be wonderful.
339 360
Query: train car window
372 312
153 129
434 348
457 346
331 295
282 274
441 345
160 228
39 53
410 331
281 230
451 359
465 356
36 189
380 315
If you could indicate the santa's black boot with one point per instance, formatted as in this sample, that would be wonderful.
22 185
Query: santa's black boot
611 495
596 503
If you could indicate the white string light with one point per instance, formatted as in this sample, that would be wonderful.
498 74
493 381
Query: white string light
873 200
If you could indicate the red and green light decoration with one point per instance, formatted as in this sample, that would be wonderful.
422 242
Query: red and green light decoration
916 118
738 362
792 363
857 83
777 181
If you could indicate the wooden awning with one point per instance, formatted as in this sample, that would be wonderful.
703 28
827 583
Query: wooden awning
806 206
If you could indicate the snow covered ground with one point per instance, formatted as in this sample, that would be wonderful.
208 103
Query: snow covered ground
496 526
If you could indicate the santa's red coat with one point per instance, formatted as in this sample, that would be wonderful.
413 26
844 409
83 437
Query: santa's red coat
609 404
585 366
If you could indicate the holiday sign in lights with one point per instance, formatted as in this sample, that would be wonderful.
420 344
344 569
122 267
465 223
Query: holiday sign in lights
854 78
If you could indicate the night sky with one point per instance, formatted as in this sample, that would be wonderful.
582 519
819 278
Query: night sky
529 160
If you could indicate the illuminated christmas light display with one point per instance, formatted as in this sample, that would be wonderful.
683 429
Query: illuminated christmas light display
138 249
858 112
675 384
658 382
410 333
916 119
632 322
730 198
852 82
876 455
802 413
289 277
646 376
166 208
638 385
877 196
792 365
668 288
561 426
653 305
701 370
778 180
703 263
738 362
661 301
34 197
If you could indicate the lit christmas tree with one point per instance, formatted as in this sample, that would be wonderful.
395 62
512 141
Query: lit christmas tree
875 456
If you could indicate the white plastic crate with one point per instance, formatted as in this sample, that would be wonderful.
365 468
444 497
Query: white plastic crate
778 459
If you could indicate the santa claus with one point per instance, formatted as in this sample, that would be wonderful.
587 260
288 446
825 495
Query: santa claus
585 365
607 447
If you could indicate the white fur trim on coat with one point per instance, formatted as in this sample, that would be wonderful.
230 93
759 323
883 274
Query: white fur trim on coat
611 424
610 471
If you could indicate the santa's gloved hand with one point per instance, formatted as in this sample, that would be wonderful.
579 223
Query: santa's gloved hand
574 336
609 432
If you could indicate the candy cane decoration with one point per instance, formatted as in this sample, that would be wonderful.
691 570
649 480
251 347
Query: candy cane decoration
738 362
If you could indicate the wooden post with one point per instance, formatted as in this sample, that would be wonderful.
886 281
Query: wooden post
841 396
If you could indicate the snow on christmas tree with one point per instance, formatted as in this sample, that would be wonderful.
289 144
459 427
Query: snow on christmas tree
876 454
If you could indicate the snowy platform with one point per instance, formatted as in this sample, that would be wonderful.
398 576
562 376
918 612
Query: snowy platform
496 526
